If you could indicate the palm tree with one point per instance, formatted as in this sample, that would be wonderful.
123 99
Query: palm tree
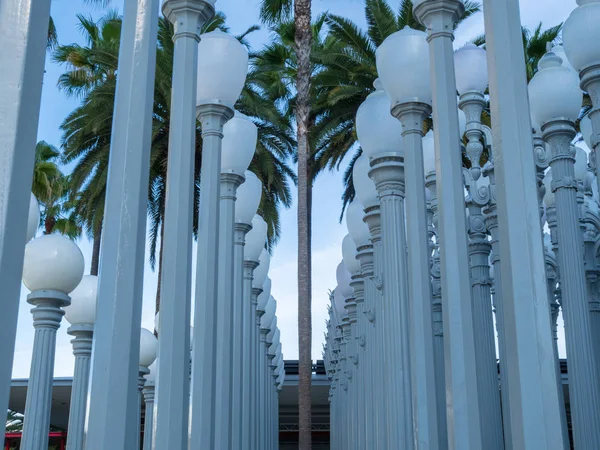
14 422
91 75
273 11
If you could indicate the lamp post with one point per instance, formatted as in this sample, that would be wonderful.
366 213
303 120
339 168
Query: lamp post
172 399
405 77
339 303
265 326
113 397
581 39
81 314
258 289
148 392
381 138
472 80
23 33
533 397
349 254
248 199
52 268
464 430
221 76
238 146
148 351
361 237
555 104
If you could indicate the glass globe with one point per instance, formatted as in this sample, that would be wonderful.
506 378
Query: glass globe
429 152
148 348
470 63
52 262
339 303
82 310
356 227
554 91
222 68
272 330
403 67
275 338
549 199
559 50
349 254
581 164
239 144
248 198
378 131
267 318
157 322
263 298
586 130
343 278
255 239
363 185
33 220
260 273
581 35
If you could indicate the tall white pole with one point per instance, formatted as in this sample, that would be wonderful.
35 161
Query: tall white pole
531 378
114 399
23 36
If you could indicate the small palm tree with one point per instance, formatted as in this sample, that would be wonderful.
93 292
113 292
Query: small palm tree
14 422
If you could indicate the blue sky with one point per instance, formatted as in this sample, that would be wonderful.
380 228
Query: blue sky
327 232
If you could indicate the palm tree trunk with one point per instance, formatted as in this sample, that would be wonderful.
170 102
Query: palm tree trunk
96 251
160 253
303 39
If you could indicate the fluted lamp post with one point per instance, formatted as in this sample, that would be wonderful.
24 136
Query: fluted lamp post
238 146
52 268
380 136
81 314
404 73
148 392
581 40
265 327
148 352
221 77
556 101
248 199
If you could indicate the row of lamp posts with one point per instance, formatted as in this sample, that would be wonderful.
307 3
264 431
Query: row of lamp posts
436 249
229 398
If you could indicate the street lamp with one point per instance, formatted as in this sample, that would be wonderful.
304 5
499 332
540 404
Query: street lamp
52 268
581 41
148 393
248 199
265 327
556 100
406 79
187 17
239 143
81 314
148 351
221 77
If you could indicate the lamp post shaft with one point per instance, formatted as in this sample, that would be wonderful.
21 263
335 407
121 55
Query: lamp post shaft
225 312
23 33
172 395
464 427
113 394
141 382
149 393
425 395
437 317
47 315
203 421
584 388
242 321
533 397
375 315
262 403
255 371
82 350
388 173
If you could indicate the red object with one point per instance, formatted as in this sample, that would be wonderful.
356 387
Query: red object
57 437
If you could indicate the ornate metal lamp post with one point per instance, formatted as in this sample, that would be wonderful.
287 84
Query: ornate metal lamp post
148 352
